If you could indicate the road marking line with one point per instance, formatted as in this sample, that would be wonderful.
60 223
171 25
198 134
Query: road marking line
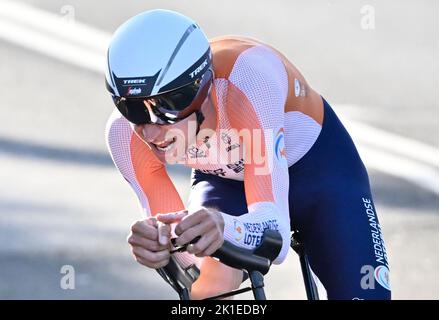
418 173
51 35
54 48
55 25
392 142
84 46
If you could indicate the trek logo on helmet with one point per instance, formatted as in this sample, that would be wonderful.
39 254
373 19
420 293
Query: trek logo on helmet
199 69
131 86
134 81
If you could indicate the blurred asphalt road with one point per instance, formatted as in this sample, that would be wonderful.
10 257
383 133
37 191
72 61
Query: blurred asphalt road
63 203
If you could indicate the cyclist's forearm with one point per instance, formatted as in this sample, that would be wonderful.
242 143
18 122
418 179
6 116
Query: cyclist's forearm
140 168
246 230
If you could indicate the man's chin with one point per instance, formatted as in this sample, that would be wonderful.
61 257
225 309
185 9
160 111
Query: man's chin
173 155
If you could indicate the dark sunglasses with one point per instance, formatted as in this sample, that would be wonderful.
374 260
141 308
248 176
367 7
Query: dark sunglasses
165 108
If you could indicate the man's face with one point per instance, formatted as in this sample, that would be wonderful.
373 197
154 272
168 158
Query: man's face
169 142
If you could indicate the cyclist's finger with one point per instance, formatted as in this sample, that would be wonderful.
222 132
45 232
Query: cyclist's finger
202 244
171 217
164 233
154 265
145 229
211 249
199 229
152 245
151 221
190 221
149 256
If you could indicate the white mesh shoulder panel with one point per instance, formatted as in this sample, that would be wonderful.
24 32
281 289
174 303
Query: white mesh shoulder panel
260 74
301 132
118 133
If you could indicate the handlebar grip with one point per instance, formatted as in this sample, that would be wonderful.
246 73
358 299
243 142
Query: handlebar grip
241 258
271 245
259 259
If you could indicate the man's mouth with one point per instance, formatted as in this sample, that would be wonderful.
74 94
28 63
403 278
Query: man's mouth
165 145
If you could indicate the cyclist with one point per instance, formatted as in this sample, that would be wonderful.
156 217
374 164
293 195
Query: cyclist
267 151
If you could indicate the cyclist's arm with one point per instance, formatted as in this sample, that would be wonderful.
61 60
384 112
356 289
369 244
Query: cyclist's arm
266 184
141 168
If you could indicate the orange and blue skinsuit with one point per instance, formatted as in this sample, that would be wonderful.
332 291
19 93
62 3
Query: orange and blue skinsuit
306 173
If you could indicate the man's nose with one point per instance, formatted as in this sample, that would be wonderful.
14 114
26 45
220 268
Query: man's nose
150 132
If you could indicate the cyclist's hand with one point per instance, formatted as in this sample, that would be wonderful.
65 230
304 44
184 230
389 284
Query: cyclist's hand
207 223
149 241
